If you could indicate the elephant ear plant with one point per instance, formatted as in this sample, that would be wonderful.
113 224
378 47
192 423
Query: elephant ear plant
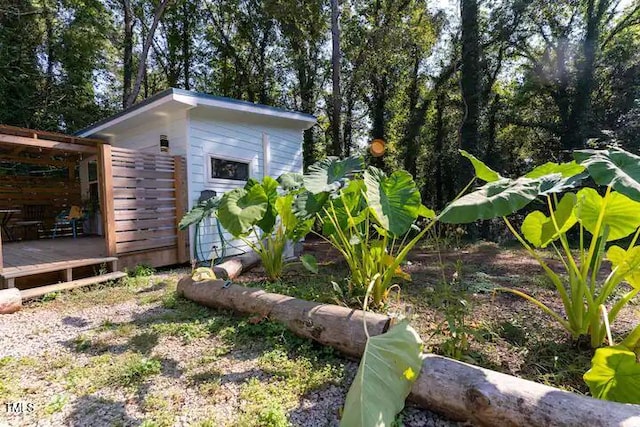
262 217
615 371
368 217
600 219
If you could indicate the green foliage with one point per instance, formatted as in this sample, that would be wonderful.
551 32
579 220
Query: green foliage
142 270
482 171
331 174
615 371
369 220
309 262
258 206
203 210
56 404
242 208
137 370
390 364
394 199
614 167
601 219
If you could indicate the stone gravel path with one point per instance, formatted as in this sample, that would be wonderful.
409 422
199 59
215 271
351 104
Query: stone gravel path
46 340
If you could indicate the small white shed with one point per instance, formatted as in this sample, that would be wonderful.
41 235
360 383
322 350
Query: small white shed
224 141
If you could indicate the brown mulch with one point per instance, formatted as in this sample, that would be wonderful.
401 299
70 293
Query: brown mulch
506 332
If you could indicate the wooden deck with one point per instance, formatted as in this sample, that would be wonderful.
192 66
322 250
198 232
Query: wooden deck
61 258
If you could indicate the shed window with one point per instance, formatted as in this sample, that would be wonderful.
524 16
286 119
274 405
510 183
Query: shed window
229 169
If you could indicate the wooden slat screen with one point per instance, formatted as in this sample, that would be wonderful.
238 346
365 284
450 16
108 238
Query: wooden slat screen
144 200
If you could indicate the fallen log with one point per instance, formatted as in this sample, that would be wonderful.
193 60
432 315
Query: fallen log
10 300
233 267
484 397
332 325
458 390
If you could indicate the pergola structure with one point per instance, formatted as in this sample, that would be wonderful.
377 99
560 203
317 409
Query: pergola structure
138 200
39 181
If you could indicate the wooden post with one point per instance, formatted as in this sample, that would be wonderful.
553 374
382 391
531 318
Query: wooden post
107 207
1 261
181 208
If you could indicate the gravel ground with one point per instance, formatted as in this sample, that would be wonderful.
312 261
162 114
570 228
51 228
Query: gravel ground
46 337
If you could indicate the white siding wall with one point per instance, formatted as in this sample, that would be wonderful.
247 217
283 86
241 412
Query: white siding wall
144 135
236 136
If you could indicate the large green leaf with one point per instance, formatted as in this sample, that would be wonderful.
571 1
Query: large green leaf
348 208
621 213
307 204
295 228
241 209
268 221
614 375
627 263
494 199
200 212
395 200
390 364
615 167
291 181
331 174
557 183
482 171
540 230
310 263
567 170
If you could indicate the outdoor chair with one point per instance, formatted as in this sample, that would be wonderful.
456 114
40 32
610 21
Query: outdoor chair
32 219
69 217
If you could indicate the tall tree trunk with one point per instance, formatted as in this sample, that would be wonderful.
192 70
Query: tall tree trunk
336 98
51 58
127 71
347 130
492 124
581 111
438 145
378 107
470 76
306 82
417 117
186 42
142 63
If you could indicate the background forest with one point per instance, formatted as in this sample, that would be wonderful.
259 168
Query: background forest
514 82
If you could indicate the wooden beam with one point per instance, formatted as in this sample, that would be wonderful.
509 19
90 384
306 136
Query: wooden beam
105 181
181 207
38 161
50 145
43 134
42 290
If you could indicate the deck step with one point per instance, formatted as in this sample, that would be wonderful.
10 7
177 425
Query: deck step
42 290
12 273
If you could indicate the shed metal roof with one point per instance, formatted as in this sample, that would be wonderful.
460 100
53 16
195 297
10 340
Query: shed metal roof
195 99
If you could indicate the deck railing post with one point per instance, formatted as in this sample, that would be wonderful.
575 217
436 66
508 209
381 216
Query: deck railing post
107 207
181 207
1 261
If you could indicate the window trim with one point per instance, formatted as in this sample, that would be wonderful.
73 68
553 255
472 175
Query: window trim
210 178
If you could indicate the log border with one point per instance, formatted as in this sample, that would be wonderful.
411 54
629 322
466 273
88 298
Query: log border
458 390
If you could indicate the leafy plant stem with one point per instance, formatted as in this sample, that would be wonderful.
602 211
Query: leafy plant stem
550 273
595 235
540 304
605 319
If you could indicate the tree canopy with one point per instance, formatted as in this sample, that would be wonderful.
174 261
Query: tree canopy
512 82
